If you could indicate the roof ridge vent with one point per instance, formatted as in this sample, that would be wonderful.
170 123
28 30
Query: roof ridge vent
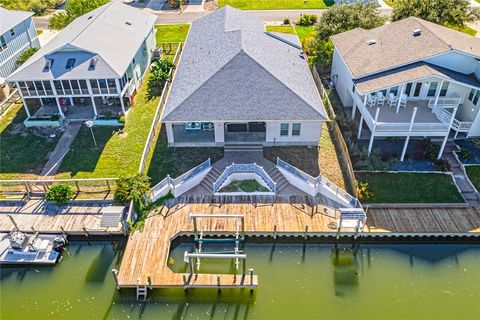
417 32
371 42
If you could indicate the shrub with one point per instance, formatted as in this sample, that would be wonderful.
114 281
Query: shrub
362 190
430 149
122 119
307 20
160 72
134 188
60 194
465 154
54 117
286 20
25 55
443 165
370 162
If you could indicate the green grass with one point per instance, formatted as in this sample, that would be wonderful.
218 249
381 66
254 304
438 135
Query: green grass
172 32
303 32
410 188
250 185
473 173
174 161
465 29
118 153
390 3
281 29
24 151
276 4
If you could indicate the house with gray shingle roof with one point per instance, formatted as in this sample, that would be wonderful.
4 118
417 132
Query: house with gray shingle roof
411 78
92 69
237 83
17 34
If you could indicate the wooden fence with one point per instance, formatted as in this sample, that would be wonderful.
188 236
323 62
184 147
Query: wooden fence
341 145
156 124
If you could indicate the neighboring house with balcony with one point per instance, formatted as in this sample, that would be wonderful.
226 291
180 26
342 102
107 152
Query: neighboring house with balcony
410 78
237 83
92 69
17 34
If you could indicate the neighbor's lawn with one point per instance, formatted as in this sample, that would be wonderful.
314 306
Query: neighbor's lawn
465 29
410 188
276 4
23 152
119 153
303 32
172 32
280 29
313 161
473 173
175 161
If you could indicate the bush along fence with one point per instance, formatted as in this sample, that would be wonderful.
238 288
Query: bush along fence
339 141
156 124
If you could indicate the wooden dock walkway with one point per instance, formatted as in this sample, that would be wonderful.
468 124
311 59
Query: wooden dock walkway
75 219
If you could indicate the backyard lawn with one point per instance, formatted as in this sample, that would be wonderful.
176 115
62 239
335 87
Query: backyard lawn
276 4
175 161
281 29
410 188
313 161
119 151
303 32
172 32
473 173
24 151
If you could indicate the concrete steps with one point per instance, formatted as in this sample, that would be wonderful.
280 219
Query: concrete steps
243 148
279 179
210 178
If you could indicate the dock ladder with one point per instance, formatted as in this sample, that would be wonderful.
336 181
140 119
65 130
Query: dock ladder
142 292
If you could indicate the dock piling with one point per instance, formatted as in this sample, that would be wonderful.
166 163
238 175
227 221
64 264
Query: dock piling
115 276
274 232
305 235
13 222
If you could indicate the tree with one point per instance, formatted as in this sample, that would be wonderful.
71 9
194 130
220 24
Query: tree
451 12
160 72
25 55
73 10
339 19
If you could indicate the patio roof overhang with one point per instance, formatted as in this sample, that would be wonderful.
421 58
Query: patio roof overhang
410 73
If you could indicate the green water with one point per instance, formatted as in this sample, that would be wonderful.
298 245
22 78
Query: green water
296 282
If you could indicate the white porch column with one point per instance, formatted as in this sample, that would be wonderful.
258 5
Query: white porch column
23 99
122 104
56 99
444 142
117 82
399 96
170 137
370 145
405 146
354 109
437 96
360 127
90 92
219 132
94 106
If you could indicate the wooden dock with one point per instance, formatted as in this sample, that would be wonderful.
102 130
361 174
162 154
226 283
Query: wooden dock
80 218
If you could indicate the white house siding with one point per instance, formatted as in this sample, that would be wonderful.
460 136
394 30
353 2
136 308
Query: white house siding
143 58
455 61
309 133
25 37
342 79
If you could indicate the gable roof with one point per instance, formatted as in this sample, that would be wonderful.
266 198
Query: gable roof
231 69
11 18
112 33
396 45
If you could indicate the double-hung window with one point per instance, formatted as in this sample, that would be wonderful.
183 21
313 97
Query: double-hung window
432 89
284 129
296 129
474 96
3 44
443 89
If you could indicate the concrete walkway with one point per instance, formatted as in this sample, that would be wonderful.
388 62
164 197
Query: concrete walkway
467 190
63 145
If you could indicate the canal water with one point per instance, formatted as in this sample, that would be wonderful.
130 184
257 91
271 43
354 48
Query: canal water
296 282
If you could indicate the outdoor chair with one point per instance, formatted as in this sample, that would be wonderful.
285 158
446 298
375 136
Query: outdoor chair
380 98
392 100
371 101
403 100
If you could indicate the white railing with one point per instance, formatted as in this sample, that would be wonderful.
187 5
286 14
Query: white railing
180 184
367 117
244 168
444 102
319 184
459 126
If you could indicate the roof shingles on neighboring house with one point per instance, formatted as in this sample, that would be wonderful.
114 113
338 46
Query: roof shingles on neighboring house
111 33
396 45
11 18
232 70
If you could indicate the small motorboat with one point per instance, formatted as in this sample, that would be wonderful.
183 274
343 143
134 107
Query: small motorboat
30 249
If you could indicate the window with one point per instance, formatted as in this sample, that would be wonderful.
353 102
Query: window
418 88
296 129
40 89
432 89
58 87
475 99
408 89
75 86
112 86
66 86
353 88
48 87
70 64
12 32
23 88
103 85
394 90
3 44
133 61
94 85
474 96
284 129
443 89
31 88
83 86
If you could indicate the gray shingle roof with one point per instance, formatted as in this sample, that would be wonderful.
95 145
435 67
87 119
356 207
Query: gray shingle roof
409 73
396 45
102 33
231 69
11 18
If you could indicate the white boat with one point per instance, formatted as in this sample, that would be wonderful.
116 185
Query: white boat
30 249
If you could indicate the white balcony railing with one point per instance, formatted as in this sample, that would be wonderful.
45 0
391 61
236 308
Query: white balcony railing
452 102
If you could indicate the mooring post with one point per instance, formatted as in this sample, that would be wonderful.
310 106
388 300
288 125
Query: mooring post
195 227
149 281
339 226
305 236
13 222
190 264
218 284
115 276
64 235
33 229
274 232
76 185
243 227
108 185
250 271
86 232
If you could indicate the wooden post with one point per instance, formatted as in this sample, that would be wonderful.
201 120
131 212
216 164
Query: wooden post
250 271
339 226
243 227
190 265
244 266
218 284
78 187
149 281
86 232
13 222
45 189
274 232
305 236
27 189
115 276
108 185
195 227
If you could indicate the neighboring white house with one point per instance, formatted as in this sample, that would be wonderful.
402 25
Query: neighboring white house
237 83
410 78
17 34
92 68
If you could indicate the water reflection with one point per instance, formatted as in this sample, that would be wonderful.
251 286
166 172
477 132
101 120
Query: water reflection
345 271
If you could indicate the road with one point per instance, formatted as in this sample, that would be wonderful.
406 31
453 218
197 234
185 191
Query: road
169 17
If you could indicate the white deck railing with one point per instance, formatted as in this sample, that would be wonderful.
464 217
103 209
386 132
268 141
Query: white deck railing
244 168
452 102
